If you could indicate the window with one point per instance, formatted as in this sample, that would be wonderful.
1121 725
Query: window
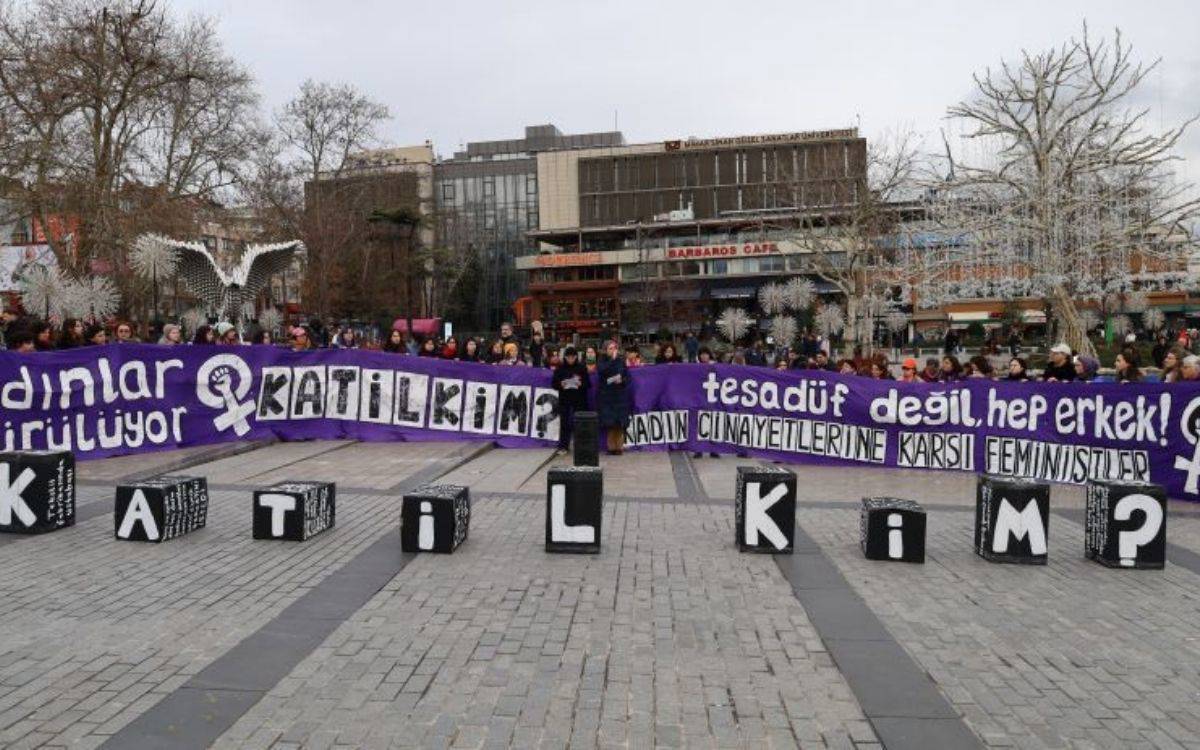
771 263
448 191
530 185
690 268
718 267
489 186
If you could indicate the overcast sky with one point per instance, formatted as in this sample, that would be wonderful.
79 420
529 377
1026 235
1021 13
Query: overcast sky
456 71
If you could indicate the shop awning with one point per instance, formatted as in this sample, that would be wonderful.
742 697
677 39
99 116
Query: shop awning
733 292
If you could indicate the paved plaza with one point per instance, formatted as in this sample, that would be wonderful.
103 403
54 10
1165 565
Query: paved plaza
668 638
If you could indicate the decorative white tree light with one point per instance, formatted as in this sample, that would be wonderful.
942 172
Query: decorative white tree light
896 321
1153 319
1136 302
772 298
830 319
734 323
41 289
784 328
1120 324
1089 319
153 258
269 319
800 293
91 298
193 319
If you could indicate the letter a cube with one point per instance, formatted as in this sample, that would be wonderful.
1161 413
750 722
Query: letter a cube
574 508
294 511
1125 524
765 509
587 439
37 491
1012 519
892 529
435 518
162 508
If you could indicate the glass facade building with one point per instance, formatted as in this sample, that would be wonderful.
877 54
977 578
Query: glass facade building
486 200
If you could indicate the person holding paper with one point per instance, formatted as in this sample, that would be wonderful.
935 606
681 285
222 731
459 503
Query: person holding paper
612 406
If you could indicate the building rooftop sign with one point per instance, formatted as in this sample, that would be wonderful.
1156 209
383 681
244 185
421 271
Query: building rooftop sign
761 140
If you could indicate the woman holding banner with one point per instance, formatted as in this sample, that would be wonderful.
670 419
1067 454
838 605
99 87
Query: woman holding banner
612 403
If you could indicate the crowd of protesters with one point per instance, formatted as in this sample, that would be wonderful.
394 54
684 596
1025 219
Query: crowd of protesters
575 370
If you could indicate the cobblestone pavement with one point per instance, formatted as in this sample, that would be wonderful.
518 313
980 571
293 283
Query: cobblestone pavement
669 637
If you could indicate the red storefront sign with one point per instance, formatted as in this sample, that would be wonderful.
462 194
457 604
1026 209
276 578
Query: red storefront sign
722 251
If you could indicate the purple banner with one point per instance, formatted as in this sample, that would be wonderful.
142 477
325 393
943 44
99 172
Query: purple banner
114 400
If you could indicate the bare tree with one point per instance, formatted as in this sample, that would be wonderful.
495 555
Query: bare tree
853 243
319 129
1065 195
117 118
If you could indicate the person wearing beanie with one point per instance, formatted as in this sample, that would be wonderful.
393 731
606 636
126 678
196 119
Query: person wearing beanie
1059 369
227 334
573 384
1086 367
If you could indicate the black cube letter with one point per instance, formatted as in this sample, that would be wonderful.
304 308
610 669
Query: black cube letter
1126 524
435 518
892 529
294 511
1012 519
37 491
765 509
574 508
155 510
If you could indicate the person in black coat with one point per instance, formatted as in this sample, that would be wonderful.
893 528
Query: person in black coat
612 405
572 383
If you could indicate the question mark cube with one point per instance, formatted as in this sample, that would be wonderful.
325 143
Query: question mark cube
162 508
764 509
892 529
1125 524
37 491
294 511
435 518
1012 519
574 509
587 439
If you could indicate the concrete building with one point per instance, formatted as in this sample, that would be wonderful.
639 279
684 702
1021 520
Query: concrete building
661 235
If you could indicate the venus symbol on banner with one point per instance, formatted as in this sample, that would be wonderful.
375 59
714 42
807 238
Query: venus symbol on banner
216 388
1189 427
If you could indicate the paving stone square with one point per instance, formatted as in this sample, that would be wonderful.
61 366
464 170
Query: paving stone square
668 638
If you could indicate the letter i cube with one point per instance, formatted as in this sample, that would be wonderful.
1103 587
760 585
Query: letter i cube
435 518
892 529
765 509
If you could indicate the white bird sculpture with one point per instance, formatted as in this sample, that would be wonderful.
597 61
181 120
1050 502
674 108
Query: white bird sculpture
226 293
